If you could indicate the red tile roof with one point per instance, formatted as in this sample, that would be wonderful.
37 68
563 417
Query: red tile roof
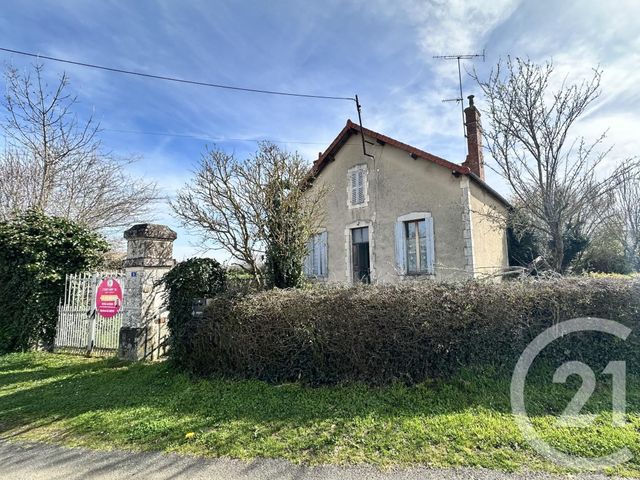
353 128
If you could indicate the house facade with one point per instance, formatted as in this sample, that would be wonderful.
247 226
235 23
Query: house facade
401 214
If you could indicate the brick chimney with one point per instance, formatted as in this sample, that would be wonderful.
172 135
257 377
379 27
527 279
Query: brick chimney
475 160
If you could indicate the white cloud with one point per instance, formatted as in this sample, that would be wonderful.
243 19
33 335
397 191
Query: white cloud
458 26
453 27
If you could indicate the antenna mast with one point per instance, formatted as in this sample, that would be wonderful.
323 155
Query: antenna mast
460 99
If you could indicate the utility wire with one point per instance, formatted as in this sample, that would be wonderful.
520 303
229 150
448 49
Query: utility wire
184 135
174 79
194 82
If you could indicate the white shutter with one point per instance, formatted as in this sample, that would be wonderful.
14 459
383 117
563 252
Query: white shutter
430 245
357 178
401 249
354 187
324 258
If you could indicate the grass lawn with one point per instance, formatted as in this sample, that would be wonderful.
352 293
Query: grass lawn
466 420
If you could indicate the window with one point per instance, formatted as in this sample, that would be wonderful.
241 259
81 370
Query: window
416 237
415 244
315 265
357 190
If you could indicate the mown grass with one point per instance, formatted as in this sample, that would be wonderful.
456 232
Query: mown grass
461 421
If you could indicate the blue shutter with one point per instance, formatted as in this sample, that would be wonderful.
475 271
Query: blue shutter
324 258
430 245
316 255
401 249
308 261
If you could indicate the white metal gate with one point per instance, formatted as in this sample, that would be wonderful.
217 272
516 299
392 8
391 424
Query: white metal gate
80 328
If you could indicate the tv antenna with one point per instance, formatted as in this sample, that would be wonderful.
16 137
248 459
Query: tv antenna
460 99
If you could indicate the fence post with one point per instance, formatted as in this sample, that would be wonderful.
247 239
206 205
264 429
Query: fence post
149 257
92 332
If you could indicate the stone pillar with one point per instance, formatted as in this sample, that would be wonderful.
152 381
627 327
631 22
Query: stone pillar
149 256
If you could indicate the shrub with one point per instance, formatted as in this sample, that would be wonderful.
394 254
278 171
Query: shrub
605 254
524 247
36 253
380 334
188 280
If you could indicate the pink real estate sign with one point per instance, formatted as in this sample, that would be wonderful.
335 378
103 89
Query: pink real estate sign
108 298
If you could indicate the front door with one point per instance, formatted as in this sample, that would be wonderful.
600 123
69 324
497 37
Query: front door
360 255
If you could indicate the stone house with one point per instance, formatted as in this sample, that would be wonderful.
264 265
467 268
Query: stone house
400 213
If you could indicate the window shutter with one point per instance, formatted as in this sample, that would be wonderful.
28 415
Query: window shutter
308 261
354 187
324 258
430 245
360 186
317 252
401 249
357 179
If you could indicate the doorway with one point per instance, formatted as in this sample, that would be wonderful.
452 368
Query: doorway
360 264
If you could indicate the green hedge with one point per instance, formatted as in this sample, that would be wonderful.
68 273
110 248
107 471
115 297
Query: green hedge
190 279
380 334
36 253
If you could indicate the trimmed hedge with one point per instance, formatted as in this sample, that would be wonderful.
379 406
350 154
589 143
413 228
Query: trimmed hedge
408 333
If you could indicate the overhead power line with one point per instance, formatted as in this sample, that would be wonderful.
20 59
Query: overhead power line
175 79
198 137
195 82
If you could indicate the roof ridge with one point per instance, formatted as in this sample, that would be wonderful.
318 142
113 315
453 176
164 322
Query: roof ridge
352 127
323 158
410 148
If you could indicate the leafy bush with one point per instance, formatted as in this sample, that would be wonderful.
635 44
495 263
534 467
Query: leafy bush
188 280
524 247
380 334
36 253
605 254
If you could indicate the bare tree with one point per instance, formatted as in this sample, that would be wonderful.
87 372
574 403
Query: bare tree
19 187
553 177
292 214
234 205
627 209
55 162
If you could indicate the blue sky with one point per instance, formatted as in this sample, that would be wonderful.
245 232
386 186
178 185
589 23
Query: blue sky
378 49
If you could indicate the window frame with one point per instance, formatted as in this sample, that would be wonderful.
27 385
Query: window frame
420 270
364 169
401 244
317 247
348 253
357 243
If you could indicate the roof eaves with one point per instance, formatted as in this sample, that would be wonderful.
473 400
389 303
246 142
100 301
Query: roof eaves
352 127
489 189
411 150
327 156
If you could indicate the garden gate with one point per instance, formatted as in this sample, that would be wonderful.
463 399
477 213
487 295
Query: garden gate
80 327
